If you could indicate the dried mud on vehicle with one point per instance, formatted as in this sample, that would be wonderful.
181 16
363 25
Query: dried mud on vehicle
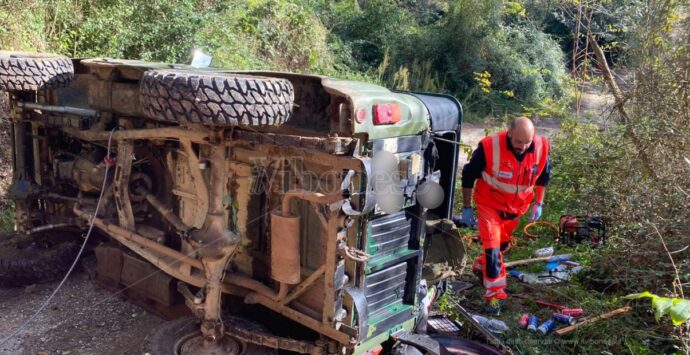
258 211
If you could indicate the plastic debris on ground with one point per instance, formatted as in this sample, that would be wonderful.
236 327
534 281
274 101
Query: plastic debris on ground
543 252
524 321
558 269
554 277
493 325
442 325
524 277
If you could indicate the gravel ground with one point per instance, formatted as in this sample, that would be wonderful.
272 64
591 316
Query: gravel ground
83 318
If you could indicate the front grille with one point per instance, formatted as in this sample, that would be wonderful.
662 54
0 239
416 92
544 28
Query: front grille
390 277
385 289
388 235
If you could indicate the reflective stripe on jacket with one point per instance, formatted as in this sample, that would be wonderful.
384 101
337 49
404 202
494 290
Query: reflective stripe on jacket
506 183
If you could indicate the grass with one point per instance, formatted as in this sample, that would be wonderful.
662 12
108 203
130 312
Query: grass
635 332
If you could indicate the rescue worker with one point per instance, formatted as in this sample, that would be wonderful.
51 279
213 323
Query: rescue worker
511 170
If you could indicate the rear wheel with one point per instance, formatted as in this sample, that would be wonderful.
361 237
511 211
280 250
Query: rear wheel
183 337
215 99
22 71
37 258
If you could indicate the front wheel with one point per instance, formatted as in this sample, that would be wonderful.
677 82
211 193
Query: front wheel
183 337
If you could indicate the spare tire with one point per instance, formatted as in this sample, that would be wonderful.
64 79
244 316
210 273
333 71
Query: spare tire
215 99
37 258
22 71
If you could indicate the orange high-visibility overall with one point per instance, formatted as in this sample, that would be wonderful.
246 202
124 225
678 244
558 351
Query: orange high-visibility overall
503 193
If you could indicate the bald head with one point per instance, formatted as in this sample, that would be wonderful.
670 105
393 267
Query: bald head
521 134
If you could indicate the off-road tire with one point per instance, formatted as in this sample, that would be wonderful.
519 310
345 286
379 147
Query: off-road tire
164 339
29 265
22 71
215 99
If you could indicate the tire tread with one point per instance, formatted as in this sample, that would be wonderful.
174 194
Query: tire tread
215 100
24 72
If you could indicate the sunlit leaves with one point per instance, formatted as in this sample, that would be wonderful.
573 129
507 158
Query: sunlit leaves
483 80
515 8
677 308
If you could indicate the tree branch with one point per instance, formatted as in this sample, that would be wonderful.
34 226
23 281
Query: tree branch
619 104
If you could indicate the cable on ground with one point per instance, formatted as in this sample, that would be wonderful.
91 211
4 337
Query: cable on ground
40 309
539 223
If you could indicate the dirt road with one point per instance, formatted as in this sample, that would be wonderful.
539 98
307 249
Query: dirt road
81 319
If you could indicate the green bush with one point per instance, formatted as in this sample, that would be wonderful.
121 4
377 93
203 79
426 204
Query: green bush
159 30
433 45
372 29
268 34
151 30
22 25
597 171
526 62
525 65
582 159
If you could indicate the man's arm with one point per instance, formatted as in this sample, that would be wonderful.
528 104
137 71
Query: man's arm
542 182
540 193
467 197
471 172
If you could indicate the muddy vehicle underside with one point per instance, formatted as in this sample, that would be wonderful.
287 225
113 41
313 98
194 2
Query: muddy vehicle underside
298 201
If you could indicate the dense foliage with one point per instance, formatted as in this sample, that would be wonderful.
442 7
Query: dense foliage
633 166
443 46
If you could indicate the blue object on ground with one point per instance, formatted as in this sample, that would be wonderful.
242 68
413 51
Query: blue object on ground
551 265
558 258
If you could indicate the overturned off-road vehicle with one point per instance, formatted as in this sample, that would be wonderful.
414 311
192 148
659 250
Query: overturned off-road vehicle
278 211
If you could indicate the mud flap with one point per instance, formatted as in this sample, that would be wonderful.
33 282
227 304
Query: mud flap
444 251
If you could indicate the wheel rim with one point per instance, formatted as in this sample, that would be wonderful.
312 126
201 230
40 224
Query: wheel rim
193 344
